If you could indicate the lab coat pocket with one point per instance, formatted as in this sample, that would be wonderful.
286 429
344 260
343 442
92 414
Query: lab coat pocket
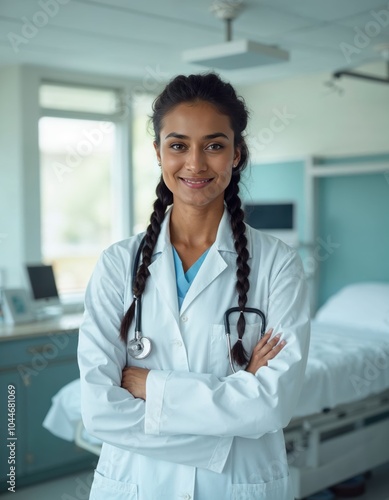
279 489
104 488
218 363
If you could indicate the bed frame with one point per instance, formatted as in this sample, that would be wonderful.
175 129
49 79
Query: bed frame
330 447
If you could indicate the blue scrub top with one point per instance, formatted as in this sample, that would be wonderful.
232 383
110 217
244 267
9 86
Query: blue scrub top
184 280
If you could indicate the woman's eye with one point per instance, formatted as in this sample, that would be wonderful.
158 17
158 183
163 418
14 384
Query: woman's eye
177 147
215 147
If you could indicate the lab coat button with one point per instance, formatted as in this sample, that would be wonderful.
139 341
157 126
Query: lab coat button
184 318
186 496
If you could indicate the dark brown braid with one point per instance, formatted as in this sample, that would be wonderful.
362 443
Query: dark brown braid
164 199
238 227
209 88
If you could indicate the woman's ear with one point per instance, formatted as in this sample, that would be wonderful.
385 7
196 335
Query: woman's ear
237 155
157 152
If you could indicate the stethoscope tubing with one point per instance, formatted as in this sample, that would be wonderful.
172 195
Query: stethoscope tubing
228 330
139 347
138 299
246 310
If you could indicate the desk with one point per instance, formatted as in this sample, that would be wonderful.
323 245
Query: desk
37 359
57 324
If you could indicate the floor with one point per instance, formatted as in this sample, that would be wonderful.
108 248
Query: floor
76 487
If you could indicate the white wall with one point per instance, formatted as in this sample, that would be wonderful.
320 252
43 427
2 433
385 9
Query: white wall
11 199
315 121
19 173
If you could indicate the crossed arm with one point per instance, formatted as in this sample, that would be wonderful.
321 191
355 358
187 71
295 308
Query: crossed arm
134 378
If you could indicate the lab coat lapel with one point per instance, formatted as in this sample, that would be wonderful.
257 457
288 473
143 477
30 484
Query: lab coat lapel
211 268
162 269
214 263
164 276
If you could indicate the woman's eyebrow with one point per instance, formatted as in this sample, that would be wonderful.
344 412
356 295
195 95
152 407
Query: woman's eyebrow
205 137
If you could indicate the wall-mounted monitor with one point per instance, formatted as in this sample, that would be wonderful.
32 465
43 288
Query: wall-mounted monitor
276 218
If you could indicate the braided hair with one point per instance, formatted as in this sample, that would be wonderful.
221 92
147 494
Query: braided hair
196 88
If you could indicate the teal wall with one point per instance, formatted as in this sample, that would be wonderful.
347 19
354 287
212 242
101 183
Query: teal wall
276 182
353 213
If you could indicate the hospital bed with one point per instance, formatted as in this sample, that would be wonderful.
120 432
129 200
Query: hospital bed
341 424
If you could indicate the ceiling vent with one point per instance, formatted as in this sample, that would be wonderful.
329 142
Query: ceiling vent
235 54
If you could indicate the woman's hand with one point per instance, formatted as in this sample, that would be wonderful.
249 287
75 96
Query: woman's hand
134 380
265 349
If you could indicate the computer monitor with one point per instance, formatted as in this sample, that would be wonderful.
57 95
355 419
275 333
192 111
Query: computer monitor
275 218
44 290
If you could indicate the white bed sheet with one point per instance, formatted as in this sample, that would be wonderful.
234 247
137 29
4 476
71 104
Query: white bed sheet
344 365
64 414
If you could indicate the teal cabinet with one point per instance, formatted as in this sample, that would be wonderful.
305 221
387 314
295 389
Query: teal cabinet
38 368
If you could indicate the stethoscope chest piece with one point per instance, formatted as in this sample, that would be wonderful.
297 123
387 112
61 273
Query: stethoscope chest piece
139 348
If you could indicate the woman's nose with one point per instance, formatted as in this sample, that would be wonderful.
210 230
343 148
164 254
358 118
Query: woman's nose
196 162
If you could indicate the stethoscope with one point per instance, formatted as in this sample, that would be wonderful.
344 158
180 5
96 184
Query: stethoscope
140 347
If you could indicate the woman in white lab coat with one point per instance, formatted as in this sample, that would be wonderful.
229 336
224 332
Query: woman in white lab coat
179 424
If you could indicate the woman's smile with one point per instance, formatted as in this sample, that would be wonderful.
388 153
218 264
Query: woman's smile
194 183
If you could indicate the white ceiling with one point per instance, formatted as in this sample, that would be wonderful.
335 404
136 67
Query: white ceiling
134 38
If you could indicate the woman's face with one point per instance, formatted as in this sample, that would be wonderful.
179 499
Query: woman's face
197 154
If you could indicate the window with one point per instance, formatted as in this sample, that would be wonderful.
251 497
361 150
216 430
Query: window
85 200
77 157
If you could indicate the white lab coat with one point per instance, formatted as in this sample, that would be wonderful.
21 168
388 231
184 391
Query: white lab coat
202 433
